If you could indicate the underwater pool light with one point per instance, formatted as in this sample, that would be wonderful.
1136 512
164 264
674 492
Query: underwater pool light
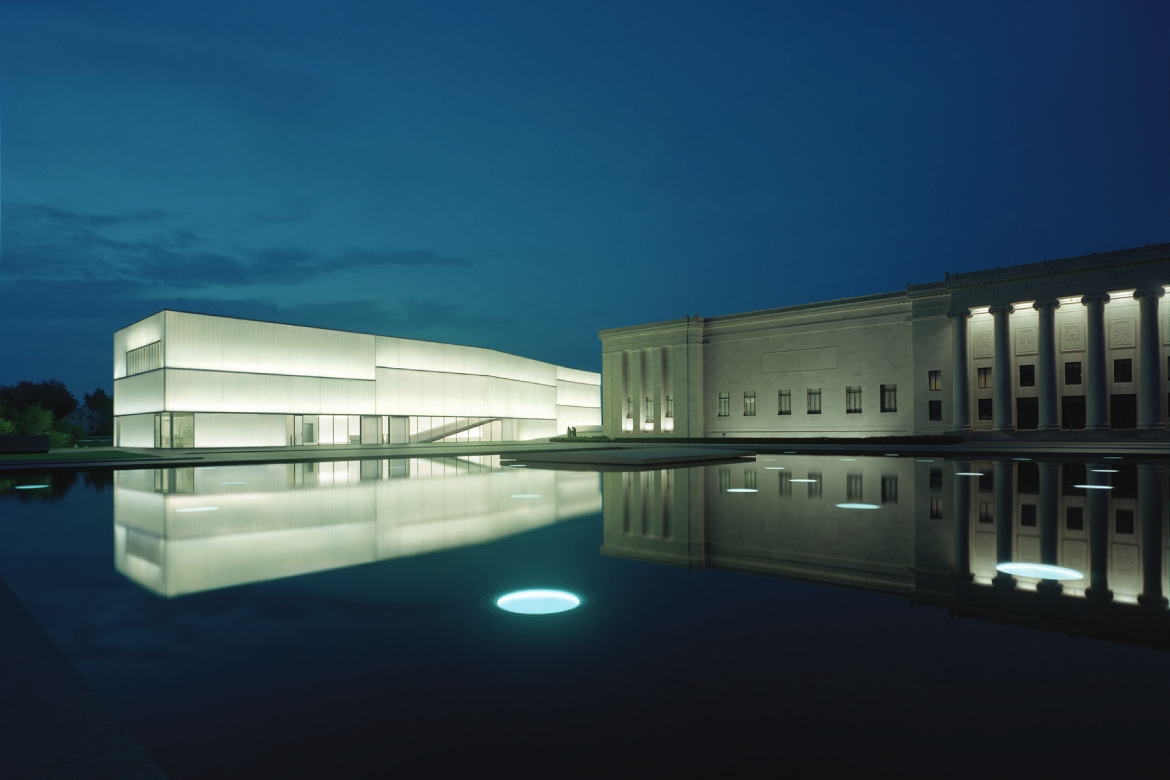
742 490
537 601
857 506
1094 487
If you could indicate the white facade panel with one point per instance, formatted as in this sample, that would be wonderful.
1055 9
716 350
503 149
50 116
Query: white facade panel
134 430
578 394
216 391
239 430
139 393
226 344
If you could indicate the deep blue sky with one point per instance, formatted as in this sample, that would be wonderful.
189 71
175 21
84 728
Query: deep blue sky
519 175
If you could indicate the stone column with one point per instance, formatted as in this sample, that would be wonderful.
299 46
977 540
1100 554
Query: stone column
1097 506
1096 416
1004 515
1048 511
960 381
1150 492
962 506
1002 369
1046 364
1149 367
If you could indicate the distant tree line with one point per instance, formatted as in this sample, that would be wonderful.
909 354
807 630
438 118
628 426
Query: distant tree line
39 408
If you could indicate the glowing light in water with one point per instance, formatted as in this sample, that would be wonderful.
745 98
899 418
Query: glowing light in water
537 601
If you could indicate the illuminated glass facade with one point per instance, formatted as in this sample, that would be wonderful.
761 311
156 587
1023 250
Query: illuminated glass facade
195 380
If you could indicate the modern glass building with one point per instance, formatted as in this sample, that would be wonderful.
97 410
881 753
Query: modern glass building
195 380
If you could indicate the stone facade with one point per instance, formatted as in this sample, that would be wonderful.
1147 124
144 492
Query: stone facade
1079 343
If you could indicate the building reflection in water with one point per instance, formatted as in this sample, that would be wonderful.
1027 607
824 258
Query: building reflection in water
933 530
185 530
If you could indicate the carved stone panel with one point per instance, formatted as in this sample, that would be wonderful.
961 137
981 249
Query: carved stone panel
1072 337
1122 333
1026 341
982 345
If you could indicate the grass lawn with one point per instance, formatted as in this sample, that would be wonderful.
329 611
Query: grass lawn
80 453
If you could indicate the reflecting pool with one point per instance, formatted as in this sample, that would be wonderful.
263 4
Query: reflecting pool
882 615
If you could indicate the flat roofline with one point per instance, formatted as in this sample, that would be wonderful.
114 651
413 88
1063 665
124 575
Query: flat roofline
350 333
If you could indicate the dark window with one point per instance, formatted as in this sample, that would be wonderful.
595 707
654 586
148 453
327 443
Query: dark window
936 509
936 481
934 380
889 398
1072 373
986 512
1123 521
984 376
814 487
1028 376
889 490
1027 413
725 404
1074 518
984 408
853 400
784 402
814 401
1027 515
1123 370
934 409
785 483
852 487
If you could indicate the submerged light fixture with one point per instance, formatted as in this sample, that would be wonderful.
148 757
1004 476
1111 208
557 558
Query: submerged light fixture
537 601
1041 571
31 487
851 505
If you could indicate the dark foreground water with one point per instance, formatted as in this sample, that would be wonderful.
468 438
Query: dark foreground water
335 619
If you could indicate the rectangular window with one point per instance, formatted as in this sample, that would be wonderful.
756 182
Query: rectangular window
984 408
1074 518
1123 521
1072 373
814 400
984 377
629 407
670 406
1027 515
986 512
649 408
936 509
853 400
725 404
935 409
144 358
1123 370
889 398
1028 375
890 489
934 380
784 402
749 403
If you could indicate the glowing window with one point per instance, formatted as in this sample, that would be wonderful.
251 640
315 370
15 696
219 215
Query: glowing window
749 403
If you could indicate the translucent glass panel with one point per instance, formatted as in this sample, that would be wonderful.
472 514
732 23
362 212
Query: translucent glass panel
579 394
226 344
240 430
135 431
138 394
215 391
405 392
145 358
455 359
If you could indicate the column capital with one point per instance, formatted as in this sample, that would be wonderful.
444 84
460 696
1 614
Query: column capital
963 313
1047 303
1092 298
1000 308
1150 292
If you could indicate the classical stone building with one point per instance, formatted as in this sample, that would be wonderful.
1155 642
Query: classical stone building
194 380
1079 343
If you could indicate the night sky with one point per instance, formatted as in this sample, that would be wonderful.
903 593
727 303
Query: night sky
519 175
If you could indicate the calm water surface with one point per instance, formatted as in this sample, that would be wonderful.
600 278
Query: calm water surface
336 618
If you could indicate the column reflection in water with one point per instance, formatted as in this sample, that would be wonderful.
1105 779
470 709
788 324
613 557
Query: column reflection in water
937 533
179 531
